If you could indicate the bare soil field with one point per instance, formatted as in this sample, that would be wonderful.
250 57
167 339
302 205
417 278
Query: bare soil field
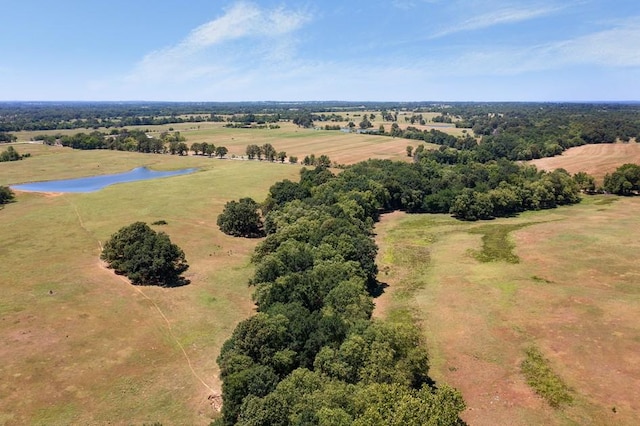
574 295
597 160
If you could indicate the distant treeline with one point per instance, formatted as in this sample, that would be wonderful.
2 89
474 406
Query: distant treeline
121 140
527 132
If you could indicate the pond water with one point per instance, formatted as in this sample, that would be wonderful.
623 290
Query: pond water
95 183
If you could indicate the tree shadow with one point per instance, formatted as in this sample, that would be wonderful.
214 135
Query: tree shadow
377 289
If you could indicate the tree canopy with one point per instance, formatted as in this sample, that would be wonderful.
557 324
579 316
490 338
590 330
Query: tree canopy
145 256
241 219
6 195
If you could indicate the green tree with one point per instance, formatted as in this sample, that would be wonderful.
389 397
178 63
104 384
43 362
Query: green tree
209 149
197 147
10 155
7 137
409 150
6 195
145 256
221 151
586 182
269 152
624 181
241 219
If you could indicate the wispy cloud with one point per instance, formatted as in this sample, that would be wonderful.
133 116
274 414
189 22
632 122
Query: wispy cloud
207 49
502 16
615 47
410 4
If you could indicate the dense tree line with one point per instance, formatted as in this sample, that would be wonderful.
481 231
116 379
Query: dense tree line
312 354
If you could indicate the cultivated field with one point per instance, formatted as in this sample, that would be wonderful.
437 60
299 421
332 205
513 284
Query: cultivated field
81 346
596 160
573 295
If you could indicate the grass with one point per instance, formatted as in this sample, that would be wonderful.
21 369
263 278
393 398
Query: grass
573 291
537 370
79 345
496 245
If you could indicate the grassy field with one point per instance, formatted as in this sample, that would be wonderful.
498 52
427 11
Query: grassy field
342 148
596 160
561 283
81 346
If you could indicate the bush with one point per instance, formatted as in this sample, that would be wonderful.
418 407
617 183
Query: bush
145 256
6 195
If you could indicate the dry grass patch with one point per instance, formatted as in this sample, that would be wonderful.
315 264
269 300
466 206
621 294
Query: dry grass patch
573 295
597 160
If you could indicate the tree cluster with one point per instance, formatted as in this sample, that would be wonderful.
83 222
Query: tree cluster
7 137
10 154
624 181
145 256
312 354
267 151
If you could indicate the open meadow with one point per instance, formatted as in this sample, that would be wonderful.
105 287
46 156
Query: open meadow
562 281
82 346
79 345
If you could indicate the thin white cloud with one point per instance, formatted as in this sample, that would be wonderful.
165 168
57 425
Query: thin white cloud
206 51
410 4
497 17
611 48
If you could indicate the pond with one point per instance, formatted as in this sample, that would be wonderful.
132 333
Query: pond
95 183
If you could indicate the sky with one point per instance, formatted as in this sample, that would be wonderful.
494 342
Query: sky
312 50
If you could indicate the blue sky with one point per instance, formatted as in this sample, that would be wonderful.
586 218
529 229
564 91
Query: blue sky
396 50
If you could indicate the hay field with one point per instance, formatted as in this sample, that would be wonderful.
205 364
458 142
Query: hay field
573 295
596 160
78 344
342 148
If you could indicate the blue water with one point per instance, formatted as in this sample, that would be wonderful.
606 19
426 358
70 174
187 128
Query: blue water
95 183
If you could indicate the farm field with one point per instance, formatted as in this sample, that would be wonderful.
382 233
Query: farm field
78 344
573 295
597 160
342 148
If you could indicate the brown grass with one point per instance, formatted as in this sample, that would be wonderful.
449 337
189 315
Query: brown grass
574 295
596 160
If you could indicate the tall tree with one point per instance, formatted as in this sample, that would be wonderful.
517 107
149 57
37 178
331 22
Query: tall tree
145 256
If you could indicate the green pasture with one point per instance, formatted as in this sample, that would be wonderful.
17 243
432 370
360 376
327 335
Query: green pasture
81 346
563 281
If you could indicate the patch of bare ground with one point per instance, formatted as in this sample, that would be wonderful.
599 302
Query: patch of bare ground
597 160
